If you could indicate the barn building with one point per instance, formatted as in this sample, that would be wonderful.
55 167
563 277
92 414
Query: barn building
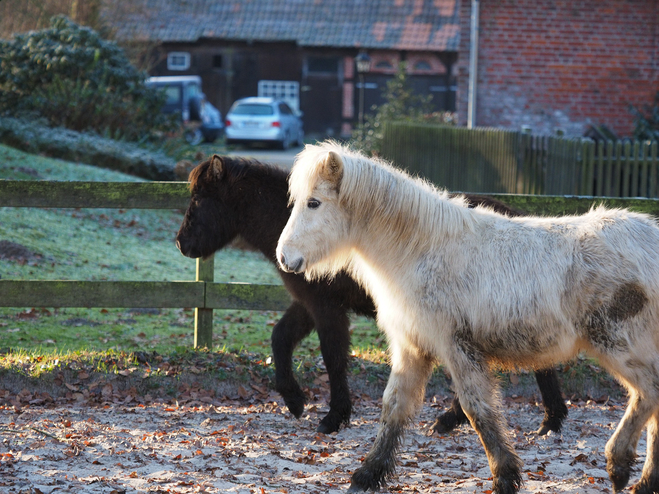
307 47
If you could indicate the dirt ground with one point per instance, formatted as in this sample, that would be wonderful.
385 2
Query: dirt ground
257 447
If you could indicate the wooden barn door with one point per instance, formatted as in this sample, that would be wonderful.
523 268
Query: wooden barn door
321 96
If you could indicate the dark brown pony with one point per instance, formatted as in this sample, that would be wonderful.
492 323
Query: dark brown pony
234 197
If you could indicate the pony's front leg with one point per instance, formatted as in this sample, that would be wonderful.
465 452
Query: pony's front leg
334 334
402 398
481 403
294 325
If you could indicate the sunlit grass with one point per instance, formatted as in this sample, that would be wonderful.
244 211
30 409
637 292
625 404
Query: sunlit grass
114 244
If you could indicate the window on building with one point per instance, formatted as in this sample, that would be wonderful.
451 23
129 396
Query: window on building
178 60
422 65
323 65
384 65
217 61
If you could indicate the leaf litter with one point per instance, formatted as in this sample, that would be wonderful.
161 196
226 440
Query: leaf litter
249 443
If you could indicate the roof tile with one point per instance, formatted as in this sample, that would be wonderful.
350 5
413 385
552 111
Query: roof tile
403 24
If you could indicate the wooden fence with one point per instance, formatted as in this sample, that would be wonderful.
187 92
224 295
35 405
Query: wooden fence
203 294
496 161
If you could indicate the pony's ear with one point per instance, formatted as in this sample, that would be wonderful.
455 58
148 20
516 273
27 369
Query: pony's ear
331 168
217 167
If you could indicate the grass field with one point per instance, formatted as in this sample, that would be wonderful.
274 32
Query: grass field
109 244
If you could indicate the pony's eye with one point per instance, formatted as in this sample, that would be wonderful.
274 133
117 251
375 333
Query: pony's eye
313 203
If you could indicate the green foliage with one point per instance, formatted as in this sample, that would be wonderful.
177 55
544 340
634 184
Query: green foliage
75 79
646 121
401 104
35 136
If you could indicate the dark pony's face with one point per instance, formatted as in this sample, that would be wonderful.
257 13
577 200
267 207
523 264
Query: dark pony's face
209 223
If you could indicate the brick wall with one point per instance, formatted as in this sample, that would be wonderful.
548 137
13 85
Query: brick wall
561 64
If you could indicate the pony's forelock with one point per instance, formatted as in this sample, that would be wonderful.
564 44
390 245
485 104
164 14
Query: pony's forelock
302 179
196 173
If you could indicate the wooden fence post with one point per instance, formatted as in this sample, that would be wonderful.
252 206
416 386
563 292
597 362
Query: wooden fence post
203 318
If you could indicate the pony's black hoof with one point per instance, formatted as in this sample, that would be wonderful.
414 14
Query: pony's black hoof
327 427
447 422
646 486
509 481
505 486
295 403
354 488
333 421
619 474
364 480
550 423
296 408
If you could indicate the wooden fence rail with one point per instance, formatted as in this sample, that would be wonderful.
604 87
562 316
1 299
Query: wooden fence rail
203 294
503 161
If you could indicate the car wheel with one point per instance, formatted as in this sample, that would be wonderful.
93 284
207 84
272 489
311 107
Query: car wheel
210 136
194 106
286 142
193 136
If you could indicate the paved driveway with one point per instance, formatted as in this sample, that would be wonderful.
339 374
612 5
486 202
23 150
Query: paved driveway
273 156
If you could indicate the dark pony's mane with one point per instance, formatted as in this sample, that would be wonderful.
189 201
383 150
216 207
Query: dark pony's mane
235 169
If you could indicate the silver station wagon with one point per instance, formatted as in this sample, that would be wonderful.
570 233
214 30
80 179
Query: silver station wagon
263 120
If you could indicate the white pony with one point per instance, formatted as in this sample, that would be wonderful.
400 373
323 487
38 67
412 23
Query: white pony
472 288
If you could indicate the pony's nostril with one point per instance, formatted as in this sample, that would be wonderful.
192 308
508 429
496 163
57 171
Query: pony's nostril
282 260
298 265
178 244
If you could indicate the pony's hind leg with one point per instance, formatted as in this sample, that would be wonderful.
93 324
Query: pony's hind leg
649 483
621 448
637 368
481 403
404 394
552 399
295 324
334 334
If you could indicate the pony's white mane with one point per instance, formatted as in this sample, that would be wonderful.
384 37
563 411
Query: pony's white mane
383 196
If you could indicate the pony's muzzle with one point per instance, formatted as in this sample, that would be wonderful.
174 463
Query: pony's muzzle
295 266
186 249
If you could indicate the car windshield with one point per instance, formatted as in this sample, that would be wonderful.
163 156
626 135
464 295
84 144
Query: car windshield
173 95
252 109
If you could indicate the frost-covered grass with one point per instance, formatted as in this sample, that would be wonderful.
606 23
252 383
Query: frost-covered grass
115 244
104 244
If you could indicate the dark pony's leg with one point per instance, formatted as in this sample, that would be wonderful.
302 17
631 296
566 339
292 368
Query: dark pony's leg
451 418
404 394
334 334
555 409
552 399
295 324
